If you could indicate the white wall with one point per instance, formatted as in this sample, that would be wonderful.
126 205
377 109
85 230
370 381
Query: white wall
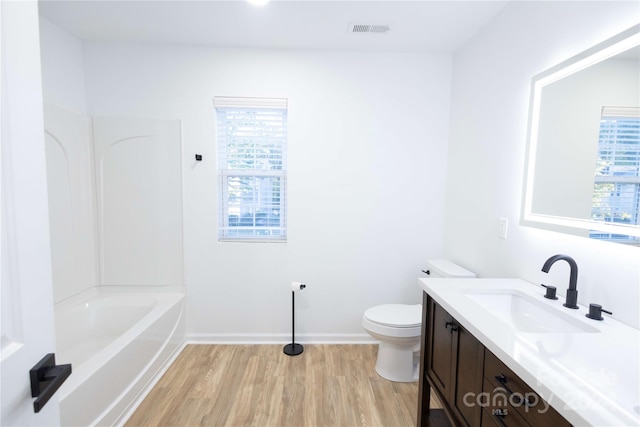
367 140
490 99
62 68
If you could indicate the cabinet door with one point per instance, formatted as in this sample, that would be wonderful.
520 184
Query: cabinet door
440 348
468 366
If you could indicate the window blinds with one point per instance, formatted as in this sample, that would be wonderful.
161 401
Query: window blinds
252 164
616 196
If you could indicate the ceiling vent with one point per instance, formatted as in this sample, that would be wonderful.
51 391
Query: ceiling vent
367 28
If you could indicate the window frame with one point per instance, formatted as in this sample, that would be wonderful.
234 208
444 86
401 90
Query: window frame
267 233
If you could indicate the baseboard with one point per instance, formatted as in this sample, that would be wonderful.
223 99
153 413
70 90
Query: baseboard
228 338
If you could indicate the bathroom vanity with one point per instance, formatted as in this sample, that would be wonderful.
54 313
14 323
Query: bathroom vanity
496 353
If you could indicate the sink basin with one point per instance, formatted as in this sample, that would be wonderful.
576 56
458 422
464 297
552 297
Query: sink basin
526 314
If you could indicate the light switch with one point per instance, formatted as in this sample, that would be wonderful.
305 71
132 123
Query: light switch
503 225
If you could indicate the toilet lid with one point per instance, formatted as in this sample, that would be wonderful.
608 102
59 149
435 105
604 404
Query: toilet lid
396 315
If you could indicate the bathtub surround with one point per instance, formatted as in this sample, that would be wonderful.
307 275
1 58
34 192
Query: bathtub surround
72 208
139 201
115 201
122 219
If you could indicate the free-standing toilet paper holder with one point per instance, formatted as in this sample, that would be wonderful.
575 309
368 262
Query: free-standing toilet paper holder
294 348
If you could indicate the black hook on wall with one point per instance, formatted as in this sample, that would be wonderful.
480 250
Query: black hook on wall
198 157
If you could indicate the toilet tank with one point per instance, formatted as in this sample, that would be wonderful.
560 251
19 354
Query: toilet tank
446 268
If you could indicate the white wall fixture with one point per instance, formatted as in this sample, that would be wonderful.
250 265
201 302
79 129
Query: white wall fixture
139 193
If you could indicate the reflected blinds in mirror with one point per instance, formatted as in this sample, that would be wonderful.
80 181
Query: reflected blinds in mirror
616 195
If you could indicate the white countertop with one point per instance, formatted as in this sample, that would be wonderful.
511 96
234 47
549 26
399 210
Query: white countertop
589 378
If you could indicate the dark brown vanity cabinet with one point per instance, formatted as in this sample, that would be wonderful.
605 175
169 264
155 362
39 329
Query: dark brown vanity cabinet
454 366
474 387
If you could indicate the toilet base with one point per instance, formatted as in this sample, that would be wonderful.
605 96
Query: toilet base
399 363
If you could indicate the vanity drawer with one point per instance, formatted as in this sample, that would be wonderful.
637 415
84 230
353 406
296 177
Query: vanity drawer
497 412
500 379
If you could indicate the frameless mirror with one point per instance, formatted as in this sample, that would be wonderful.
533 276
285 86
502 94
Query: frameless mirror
583 160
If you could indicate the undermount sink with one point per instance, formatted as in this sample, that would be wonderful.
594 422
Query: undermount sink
526 314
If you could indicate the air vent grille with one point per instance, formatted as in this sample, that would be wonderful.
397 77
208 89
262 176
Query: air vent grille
368 28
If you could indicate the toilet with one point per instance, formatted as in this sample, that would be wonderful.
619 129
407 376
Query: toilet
398 328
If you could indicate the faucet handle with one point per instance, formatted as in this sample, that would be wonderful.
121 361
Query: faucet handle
551 291
595 312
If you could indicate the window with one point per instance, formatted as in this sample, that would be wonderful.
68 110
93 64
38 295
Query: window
616 194
252 168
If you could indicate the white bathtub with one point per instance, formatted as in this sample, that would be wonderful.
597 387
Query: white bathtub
117 340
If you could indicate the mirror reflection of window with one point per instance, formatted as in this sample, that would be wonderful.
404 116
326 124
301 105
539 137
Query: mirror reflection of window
616 193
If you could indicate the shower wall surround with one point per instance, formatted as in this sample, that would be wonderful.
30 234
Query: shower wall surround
72 210
115 196
139 199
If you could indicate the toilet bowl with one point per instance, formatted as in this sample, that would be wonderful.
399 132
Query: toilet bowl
397 327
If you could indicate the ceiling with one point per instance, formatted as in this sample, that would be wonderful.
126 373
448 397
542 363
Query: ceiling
415 26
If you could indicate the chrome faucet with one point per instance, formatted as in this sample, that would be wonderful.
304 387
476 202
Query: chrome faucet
572 291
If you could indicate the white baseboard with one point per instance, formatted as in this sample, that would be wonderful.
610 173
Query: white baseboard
363 338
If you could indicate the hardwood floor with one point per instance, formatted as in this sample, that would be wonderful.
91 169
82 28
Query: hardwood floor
258 385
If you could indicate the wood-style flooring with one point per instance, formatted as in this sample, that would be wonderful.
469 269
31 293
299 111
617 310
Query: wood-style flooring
258 385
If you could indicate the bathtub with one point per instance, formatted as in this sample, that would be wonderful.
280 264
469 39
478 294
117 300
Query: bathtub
118 340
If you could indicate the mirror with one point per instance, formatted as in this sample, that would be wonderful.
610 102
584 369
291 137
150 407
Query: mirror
582 171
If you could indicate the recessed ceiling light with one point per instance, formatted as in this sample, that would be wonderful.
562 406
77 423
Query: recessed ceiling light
258 2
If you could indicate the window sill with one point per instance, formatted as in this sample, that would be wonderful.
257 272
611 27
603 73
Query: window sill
249 240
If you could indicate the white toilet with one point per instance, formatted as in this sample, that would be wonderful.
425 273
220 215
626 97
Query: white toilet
398 327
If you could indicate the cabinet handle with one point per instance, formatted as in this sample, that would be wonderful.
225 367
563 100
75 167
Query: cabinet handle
502 379
453 326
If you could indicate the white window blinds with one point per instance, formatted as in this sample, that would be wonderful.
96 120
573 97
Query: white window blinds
252 165
616 195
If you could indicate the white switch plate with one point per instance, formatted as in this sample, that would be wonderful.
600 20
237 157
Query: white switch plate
503 226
